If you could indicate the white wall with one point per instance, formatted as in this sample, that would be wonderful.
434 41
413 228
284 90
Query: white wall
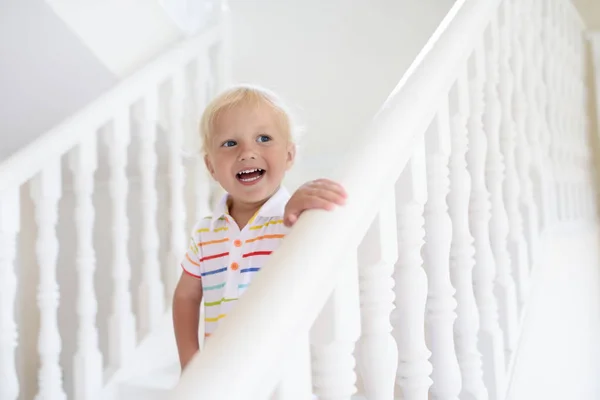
138 30
46 73
559 353
334 61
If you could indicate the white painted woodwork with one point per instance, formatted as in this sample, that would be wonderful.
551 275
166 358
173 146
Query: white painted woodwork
509 96
152 291
534 101
491 342
539 103
377 352
200 205
87 364
175 140
46 191
38 169
334 334
528 125
557 152
441 305
122 324
225 50
22 166
505 285
549 62
296 383
462 261
201 179
10 224
408 319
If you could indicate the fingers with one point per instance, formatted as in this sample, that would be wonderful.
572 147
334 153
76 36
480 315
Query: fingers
290 219
327 195
321 194
315 202
329 186
309 203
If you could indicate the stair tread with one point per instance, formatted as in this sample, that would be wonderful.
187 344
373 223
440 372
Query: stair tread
155 355
155 368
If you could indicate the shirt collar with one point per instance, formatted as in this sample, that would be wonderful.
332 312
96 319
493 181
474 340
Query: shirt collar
274 207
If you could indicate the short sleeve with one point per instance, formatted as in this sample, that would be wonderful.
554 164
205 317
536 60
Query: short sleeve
191 261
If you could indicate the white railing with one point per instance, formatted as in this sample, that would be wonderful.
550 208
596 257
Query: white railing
481 148
161 102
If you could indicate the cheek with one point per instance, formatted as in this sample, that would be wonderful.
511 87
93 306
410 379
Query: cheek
221 166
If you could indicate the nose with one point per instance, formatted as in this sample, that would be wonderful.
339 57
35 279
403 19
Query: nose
247 152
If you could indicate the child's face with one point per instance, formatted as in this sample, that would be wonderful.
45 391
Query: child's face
249 153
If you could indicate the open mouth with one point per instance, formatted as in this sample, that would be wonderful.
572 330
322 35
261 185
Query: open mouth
250 175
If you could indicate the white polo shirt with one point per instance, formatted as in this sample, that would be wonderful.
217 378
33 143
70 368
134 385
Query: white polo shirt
226 259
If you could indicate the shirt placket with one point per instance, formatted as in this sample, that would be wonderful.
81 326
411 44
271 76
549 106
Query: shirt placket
235 262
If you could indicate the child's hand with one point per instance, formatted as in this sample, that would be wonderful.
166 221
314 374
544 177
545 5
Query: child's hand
322 193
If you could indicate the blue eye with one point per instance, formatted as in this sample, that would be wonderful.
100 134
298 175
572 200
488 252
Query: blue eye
229 143
263 139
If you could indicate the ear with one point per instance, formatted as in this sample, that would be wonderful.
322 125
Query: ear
209 165
291 155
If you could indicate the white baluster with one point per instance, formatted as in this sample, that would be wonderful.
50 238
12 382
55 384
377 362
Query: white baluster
296 380
539 126
225 57
505 285
377 351
490 336
408 319
152 291
9 229
201 177
177 180
462 251
549 63
87 364
122 334
508 134
46 191
528 128
334 335
560 146
579 107
199 195
568 134
441 304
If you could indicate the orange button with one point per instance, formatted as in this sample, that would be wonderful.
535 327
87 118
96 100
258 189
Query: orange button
237 243
235 266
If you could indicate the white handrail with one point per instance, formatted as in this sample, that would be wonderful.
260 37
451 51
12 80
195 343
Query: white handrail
307 256
26 162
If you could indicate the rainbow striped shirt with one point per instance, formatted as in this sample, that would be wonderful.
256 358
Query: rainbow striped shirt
226 259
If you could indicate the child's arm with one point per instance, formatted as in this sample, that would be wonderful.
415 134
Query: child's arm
321 193
186 317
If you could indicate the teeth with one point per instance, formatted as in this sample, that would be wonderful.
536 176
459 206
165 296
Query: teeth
249 171
249 179
241 174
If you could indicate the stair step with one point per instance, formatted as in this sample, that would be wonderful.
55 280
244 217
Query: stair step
154 370
153 386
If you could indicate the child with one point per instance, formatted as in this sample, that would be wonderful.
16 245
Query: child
248 146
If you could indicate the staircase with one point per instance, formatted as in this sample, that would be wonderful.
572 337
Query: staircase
418 288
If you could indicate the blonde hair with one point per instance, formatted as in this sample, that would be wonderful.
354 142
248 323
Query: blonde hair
245 95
